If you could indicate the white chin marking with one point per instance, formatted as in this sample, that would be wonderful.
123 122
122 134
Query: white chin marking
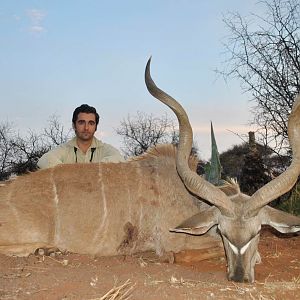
234 248
244 248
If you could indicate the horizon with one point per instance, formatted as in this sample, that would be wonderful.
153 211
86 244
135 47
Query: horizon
58 55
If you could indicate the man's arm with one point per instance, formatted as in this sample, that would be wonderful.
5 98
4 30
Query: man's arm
51 159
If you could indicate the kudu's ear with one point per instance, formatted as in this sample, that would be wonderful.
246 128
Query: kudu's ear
199 223
280 220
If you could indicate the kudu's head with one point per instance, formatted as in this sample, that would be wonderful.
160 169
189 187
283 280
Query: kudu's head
239 217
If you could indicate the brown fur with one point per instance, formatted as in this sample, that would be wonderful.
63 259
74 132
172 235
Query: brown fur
166 150
230 187
103 209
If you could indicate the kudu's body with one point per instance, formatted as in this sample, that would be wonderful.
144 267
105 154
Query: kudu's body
238 216
99 209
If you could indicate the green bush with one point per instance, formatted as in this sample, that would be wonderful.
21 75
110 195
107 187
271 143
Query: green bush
292 204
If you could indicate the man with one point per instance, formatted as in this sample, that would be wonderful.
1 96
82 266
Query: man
84 147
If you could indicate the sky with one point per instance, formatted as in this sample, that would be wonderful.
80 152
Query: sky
58 54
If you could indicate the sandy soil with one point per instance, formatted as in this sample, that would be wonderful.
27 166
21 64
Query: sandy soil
143 276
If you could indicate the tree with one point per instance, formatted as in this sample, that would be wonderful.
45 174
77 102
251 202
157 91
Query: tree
264 53
26 152
143 131
55 133
6 149
232 161
20 154
254 173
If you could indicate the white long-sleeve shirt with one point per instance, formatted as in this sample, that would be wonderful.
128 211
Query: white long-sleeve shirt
69 153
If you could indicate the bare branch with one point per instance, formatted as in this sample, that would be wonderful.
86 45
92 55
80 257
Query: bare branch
263 52
143 131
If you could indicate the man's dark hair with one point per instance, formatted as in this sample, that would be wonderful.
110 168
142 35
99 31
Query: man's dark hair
85 108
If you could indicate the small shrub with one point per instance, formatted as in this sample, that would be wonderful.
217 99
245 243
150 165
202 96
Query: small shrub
292 204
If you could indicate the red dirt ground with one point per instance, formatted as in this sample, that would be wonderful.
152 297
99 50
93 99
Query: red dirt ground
143 277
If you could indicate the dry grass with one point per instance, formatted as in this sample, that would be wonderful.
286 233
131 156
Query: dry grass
232 290
276 254
121 292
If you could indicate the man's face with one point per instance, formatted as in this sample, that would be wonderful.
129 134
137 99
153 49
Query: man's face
85 126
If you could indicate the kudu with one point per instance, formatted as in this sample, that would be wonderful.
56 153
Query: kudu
239 217
100 209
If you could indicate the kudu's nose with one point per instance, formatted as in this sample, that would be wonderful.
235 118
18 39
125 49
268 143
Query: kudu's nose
239 275
240 279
